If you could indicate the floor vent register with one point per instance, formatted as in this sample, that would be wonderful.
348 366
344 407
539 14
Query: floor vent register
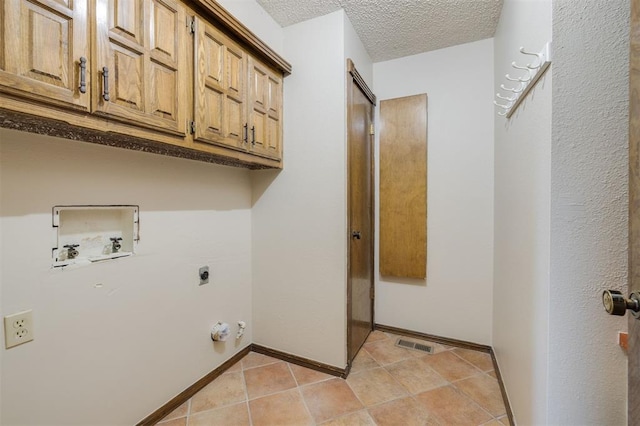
407 344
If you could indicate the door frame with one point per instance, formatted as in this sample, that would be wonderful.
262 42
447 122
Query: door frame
354 78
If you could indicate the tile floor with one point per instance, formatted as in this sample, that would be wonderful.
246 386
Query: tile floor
388 385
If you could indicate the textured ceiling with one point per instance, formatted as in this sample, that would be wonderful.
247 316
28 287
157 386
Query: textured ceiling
391 29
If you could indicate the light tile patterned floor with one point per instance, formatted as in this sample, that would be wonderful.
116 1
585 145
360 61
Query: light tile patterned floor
388 385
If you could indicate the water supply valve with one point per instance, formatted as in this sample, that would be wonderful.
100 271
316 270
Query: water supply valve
72 252
115 244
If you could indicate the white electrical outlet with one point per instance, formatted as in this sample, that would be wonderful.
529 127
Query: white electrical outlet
18 329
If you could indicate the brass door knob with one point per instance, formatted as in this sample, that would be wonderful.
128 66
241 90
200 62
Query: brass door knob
616 304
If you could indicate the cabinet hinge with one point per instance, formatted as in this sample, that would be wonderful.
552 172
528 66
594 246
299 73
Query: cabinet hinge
192 127
372 129
372 293
192 25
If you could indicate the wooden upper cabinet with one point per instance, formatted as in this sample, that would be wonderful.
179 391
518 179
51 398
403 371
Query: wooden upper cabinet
41 46
169 76
265 113
140 63
219 88
237 99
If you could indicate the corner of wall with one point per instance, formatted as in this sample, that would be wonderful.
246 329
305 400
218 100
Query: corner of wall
299 224
522 158
253 16
355 50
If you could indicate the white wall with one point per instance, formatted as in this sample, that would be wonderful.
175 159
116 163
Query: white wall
589 180
561 215
299 220
254 17
522 203
354 50
113 354
455 300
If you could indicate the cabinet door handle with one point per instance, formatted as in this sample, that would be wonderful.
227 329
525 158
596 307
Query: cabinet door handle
83 75
105 83
253 135
245 138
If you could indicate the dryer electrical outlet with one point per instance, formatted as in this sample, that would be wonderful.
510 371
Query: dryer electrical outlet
18 329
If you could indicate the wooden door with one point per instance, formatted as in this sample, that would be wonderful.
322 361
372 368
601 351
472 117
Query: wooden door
265 111
219 85
43 44
140 63
360 290
634 212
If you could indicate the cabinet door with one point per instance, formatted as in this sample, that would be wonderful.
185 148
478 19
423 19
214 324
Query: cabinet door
41 46
140 63
219 89
265 115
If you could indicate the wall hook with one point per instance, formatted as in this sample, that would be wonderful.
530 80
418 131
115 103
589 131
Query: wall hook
509 89
537 55
499 96
526 68
535 71
521 80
